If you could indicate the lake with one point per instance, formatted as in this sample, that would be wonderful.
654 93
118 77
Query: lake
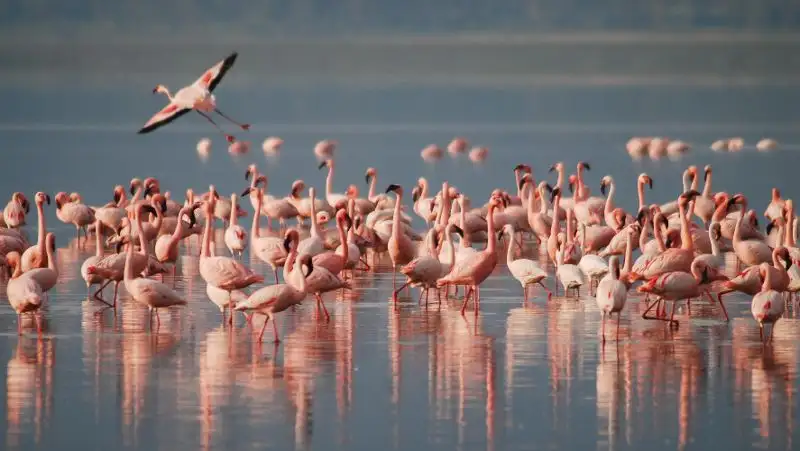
516 377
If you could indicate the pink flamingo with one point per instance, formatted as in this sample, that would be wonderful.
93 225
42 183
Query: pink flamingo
223 272
23 292
268 249
767 305
46 277
676 286
198 97
473 271
750 252
672 259
15 211
277 298
401 250
332 260
611 295
151 293
36 256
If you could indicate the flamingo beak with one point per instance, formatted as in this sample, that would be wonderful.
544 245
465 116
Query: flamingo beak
554 193
367 178
349 221
163 205
650 182
415 194
322 165
246 192
552 168
603 187
58 202
247 174
192 218
458 230
571 187
522 182
585 166
47 198
132 189
392 187
771 226
640 217
117 197
287 243
787 258
155 90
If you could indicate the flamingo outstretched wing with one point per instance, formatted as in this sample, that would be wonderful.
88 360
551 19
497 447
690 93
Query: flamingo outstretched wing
167 114
211 77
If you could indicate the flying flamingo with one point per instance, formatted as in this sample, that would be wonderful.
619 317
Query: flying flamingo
767 305
611 294
198 97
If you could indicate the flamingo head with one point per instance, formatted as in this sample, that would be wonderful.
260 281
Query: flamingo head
22 200
606 181
327 162
91 269
673 238
523 168
706 172
720 198
135 183
371 172
687 196
642 215
241 234
41 198
777 222
524 180
397 189
572 180
352 191
297 187
556 193
583 165
343 218
457 229
751 215
308 262
776 194
692 172
160 201
291 236
646 179
416 193
322 217
783 252
556 167
251 170
61 198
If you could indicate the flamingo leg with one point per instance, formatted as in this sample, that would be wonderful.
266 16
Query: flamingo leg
524 294
477 301
421 292
261 334
243 126
466 299
116 291
549 294
275 269
761 331
722 306
395 292
619 314
275 331
228 137
19 323
230 308
603 327
324 309
672 315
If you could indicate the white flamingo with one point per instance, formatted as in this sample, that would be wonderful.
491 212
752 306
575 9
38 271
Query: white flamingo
526 271
35 256
611 295
235 235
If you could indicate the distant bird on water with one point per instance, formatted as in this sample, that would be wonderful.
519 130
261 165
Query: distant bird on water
197 97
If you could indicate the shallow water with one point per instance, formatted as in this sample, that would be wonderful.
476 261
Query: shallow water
516 377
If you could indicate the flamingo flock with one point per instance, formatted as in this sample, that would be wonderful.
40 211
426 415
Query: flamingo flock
670 254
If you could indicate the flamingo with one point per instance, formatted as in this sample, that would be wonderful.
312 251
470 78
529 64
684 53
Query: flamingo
426 269
315 243
46 277
677 286
401 249
23 292
320 281
15 211
151 293
767 305
776 205
378 200
751 252
35 256
689 178
268 249
223 272
332 260
331 197
77 214
569 274
672 259
166 248
235 235
611 295
526 271
472 272
93 279
277 298
198 97
704 205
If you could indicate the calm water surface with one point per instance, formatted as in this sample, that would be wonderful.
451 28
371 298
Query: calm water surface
517 377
